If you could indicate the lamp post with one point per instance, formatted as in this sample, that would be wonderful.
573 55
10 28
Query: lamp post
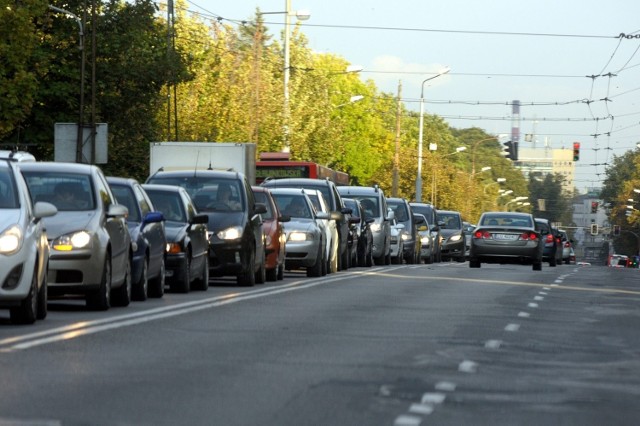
434 184
420 136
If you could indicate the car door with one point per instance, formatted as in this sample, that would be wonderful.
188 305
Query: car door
116 227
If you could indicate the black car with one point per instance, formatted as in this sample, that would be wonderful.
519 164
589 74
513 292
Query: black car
236 239
146 227
362 237
331 194
411 239
552 251
187 262
452 241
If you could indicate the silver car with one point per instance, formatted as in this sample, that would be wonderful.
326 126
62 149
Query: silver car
305 246
374 202
329 226
24 250
89 239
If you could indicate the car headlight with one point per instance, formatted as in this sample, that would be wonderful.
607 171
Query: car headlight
405 237
69 242
300 236
457 237
174 248
233 233
375 227
425 241
11 240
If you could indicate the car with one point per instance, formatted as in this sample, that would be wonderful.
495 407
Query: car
329 226
397 242
24 249
452 243
334 199
363 239
147 231
426 240
467 230
305 238
567 246
411 240
236 237
375 206
618 261
89 240
552 251
275 240
506 237
430 213
187 249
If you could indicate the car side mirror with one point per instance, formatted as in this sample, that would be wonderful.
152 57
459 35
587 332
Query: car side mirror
153 217
284 218
199 218
116 210
259 208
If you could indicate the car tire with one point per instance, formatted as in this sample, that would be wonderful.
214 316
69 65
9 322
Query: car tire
156 287
202 283
473 263
182 283
261 275
100 300
537 266
122 295
316 269
141 288
43 296
27 311
272 274
247 277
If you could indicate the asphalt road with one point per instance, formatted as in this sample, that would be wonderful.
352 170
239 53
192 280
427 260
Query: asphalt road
402 345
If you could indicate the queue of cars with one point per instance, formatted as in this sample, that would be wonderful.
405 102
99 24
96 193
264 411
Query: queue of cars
112 240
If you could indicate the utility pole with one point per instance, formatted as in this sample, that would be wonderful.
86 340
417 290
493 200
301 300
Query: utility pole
396 157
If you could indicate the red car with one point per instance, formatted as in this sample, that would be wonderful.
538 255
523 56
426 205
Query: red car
273 233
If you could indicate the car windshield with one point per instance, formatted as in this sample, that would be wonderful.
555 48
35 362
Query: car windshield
169 203
370 205
451 221
261 197
125 196
293 205
400 211
66 191
8 196
208 193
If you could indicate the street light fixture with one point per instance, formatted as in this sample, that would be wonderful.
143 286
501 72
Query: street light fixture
420 135
352 99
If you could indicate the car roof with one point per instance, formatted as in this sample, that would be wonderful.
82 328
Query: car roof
58 166
287 190
359 190
449 212
164 188
277 183
17 156
195 173
121 180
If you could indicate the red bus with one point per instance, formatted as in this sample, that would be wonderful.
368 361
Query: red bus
276 165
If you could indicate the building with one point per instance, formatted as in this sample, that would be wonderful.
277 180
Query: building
547 160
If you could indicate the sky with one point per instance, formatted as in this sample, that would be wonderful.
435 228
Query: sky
576 79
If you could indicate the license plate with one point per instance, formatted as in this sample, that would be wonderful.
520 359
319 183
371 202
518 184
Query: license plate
505 237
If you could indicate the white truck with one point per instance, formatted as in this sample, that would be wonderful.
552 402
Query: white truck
239 157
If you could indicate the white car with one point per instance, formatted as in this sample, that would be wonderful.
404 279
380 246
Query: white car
24 250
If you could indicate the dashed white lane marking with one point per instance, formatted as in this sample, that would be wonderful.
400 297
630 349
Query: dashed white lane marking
538 298
512 327
542 293
493 344
423 409
467 366
524 314
405 420
558 281
546 288
532 305
445 386
433 398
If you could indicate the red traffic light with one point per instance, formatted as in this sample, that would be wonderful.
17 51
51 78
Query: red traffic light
576 151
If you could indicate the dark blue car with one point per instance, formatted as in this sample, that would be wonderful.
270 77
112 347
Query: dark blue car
147 230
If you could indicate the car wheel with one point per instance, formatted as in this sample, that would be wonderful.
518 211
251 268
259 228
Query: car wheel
248 277
100 300
461 259
202 283
473 263
26 312
43 296
537 266
156 287
316 269
122 294
261 275
182 282
141 289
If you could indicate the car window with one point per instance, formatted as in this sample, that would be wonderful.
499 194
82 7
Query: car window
451 221
169 203
400 211
261 197
66 191
8 195
293 205
125 196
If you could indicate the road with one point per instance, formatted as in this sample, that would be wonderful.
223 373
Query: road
403 345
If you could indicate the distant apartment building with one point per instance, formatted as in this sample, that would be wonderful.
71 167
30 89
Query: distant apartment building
545 160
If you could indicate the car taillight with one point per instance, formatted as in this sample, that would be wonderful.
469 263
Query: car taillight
567 244
531 236
549 238
482 235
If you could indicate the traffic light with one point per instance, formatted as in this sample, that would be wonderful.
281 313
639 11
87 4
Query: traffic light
576 151
594 207
594 229
616 230
511 150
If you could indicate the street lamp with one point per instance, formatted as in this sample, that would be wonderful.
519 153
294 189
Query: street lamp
352 99
420 136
